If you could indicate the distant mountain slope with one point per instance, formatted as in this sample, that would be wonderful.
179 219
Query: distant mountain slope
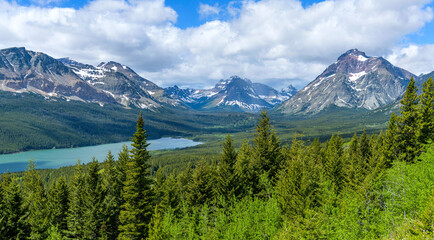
122 83
353 81
235 93
28 71
422 78
28 121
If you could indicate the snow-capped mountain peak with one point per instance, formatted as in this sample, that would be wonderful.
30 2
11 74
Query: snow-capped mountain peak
355 80
234 93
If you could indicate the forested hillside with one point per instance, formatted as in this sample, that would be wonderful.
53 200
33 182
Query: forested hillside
378 186
29 122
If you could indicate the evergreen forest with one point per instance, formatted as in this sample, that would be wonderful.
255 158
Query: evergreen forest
376 186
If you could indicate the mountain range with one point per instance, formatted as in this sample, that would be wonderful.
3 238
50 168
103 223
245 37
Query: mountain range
355 80
233 94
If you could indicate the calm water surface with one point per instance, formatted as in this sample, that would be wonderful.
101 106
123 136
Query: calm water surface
55 158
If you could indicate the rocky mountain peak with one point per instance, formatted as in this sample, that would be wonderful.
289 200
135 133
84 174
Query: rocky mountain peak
290 90
355 80
353 53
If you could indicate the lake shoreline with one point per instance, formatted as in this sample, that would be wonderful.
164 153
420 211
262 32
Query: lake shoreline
91 145
55 158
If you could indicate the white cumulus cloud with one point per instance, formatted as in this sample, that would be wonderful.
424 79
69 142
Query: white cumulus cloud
270 41
414 58
206 10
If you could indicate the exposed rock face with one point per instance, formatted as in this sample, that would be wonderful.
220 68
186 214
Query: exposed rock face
24 71
122 83
353 81
27 71
234 93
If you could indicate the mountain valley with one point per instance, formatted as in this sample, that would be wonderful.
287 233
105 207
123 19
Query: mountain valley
86 102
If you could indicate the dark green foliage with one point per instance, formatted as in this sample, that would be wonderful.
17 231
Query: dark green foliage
170 197
244 170
299 182
158 185
137 193
77 203
155 227
334 163
227 181
426 110
35 203
58 200
408 125
201 186
390 150
266 149
14 213
112 191
94 197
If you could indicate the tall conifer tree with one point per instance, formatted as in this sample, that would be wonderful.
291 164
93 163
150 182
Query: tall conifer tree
170 197
266 150
426 110
390 150
333 167
59 204
93 202
36 201
201 186
136 212
408 125
15 211
77 201
112 189
227 183
244 169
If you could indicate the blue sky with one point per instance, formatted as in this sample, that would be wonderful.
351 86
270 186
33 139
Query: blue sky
194 43
187 10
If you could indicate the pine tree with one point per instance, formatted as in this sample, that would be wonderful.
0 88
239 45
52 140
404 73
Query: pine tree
390 151
158 185
35 201
266 150
121 164
77 201
408 125
243 170
2 209
365 148
156 227
59 205
200 188
93 202
183 182
299 182
170 195
227 183
316 152
426 110
136 212
112 190
354 163
333 167
15 212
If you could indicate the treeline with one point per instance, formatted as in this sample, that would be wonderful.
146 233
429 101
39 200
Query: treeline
377 186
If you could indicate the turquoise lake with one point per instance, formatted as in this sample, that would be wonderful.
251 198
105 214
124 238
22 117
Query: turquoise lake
55 158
